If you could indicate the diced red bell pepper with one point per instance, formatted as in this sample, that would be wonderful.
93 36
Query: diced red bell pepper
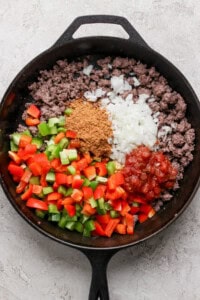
69 179
115 180
130 223
98 229
16 178
27 194
59 137
33 111
71 209
21 187
103 219
99 192
59 204
111 226
125 208
55 163
26 176
77 182
137 199
82 164
27 152
120 228
151 213
35 203
14 156
15 170
87 192
142 218
87 156
61 178
67 200
145 208
117 205
54 196
90 172
119 192
43 181
36 168
88 210
101 168
77 195
55 186
37 189
24 140
30 149
32 121
71 134
134 210
74 144
42 160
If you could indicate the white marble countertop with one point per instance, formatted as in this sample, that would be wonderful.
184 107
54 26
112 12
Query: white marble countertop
31 265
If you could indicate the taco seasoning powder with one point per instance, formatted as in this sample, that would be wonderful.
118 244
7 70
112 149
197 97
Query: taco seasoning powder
92 126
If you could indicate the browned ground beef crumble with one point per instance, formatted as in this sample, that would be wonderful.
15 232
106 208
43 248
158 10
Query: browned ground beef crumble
66 81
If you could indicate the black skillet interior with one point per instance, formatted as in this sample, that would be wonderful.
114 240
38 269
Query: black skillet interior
66 47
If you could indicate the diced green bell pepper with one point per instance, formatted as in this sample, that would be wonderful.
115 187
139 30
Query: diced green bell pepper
50 177
101 206
101 179
78 227
13 146
78 207
84 218
64 143
54 217
62 190
71 170
110 166
43 129
89 225
71 154
64 157
61 121
37 141
69 192
63 221
16 138
47 190
52 122
93 202
52 209
93 184
68 111
34 180
86 182
86 233
114 214
70 225
53 130
40 213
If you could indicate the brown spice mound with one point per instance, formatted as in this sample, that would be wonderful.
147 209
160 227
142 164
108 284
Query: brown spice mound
92 126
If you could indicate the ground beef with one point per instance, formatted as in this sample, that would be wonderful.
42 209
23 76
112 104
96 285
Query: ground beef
66 82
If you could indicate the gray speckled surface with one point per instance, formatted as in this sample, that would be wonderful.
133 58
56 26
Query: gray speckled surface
34 267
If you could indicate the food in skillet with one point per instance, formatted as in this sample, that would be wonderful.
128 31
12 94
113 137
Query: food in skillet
103 146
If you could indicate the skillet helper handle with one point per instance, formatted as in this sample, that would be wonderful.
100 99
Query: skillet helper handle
93 19
99 261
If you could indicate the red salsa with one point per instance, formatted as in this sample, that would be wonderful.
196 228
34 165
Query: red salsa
147 173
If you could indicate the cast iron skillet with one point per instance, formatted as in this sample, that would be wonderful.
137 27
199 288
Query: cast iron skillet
98 250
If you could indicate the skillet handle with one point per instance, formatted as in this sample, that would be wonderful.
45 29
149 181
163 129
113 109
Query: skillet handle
99 261
93 19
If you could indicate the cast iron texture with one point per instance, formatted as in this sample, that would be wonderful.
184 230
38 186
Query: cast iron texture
98 250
